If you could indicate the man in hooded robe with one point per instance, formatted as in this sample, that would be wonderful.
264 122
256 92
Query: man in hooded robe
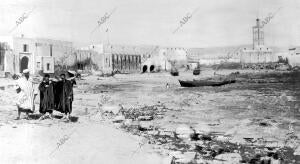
26 94
46 88
64 96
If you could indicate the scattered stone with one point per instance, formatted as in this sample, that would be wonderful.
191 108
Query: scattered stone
201 161
265 160
297 151
128 122
228 157
184 132
195 137
202 129
166 133
135 124
119 119
145 118
264 124
186 158
115 109
175 153
222 138
97 117
275 161
145 125
272 144
153 132
206 137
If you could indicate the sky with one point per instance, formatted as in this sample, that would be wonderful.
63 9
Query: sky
215 23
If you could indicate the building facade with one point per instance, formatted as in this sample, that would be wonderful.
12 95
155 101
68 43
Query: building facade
294 56
6 59
122 58
36 54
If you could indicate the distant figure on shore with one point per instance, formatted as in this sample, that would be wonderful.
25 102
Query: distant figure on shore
26 92
46 88
64 96
167 86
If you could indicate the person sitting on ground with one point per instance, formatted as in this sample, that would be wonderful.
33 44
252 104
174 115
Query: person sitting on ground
26 92
46 88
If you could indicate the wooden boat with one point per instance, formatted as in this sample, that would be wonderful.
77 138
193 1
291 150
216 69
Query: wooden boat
196 72
205 82
174 73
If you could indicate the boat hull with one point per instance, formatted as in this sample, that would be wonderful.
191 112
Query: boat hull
202 83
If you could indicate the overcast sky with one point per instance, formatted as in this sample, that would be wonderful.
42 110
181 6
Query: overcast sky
135 22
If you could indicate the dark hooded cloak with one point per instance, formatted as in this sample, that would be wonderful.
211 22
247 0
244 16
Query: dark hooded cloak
64 96
46 97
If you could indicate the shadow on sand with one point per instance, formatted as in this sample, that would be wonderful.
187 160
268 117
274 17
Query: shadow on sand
37 116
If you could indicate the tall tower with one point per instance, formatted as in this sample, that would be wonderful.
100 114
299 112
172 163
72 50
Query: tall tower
258 35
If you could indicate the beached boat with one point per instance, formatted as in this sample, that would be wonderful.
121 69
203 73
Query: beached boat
196 72
205 82
174 73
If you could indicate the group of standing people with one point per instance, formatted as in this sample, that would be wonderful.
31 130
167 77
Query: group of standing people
54 95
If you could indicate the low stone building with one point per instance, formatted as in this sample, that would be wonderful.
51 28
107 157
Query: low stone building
162 58
93 58
294 56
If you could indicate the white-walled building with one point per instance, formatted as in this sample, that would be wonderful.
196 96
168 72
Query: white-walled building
294 56
35 54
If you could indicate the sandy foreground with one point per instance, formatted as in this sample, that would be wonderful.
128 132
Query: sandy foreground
237 113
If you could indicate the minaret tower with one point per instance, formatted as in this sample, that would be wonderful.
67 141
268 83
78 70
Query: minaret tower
258 35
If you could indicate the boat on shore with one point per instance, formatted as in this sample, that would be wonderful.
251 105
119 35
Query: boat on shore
205 82
175 73
196 72
211 81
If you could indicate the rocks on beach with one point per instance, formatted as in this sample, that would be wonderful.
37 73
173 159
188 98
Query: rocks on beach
232 158
183 158
184 132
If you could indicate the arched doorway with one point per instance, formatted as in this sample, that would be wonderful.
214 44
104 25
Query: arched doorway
152 68
24 63
145 68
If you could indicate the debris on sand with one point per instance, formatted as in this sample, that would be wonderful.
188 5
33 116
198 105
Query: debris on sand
199 144
184 132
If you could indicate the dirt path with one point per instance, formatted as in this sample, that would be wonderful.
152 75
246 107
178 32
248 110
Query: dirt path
72 143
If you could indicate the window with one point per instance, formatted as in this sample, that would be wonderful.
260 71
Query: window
25 48
51 49
48 66
38 64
